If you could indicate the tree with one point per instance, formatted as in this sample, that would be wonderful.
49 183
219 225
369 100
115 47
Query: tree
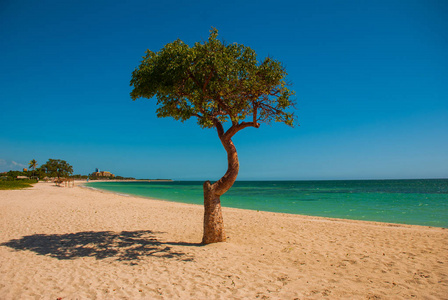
40 172
33 165
217 84
57 168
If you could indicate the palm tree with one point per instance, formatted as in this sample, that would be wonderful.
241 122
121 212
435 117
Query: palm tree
33 165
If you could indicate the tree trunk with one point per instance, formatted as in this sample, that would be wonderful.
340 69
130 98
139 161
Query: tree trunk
213 221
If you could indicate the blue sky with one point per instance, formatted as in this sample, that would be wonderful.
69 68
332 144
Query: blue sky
371 82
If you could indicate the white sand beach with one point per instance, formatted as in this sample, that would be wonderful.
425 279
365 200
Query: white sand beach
77 243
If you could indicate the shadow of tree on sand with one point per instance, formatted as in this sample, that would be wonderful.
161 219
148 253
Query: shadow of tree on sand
124 246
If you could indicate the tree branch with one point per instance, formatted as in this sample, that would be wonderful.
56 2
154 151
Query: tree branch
255 112
271 109
198 115
207 80
193 78
223 105
219 128
237 127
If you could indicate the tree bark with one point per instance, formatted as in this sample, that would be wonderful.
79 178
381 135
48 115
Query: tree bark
213 221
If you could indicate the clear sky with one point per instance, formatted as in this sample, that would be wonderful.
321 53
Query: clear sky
371 82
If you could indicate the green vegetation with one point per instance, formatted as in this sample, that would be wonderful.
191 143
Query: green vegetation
216 83
93 177
53 168
14 180
16 184
33 164
57 168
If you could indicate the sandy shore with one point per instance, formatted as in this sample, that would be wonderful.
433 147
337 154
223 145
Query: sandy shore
76 243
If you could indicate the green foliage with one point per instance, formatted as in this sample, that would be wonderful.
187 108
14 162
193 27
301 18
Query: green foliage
124 178
16 184
214 82
53 168
33 164
57 168
39 173
12 175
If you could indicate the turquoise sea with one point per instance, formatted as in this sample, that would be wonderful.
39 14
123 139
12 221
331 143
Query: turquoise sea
417 202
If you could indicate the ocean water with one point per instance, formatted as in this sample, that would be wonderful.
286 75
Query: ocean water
417 202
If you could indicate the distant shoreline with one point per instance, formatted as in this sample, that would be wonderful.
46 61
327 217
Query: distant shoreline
128 180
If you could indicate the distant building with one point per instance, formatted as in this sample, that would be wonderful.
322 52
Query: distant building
99 173
25 169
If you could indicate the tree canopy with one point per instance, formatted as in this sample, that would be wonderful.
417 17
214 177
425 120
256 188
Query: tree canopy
57 168
33 164
216 83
